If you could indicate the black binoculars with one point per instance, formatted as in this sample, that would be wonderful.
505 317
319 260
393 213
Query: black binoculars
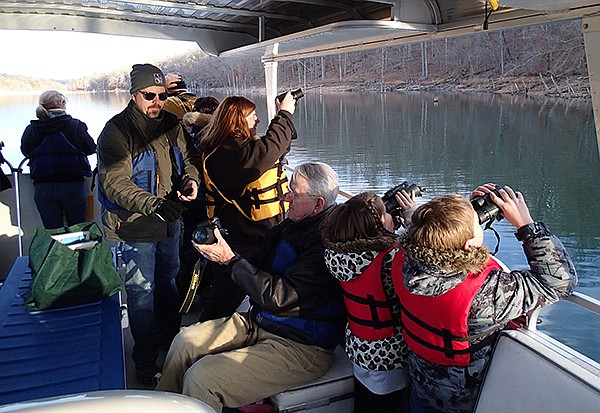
296 94
486 209
389 198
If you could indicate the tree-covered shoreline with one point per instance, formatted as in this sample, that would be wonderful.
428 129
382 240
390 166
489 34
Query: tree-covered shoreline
542 60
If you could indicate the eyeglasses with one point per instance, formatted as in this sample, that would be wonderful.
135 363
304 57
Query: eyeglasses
149 96
296 195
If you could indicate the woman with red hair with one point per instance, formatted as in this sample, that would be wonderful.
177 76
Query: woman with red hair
245 186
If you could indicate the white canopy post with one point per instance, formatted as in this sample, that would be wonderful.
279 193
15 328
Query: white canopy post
591 36
271 80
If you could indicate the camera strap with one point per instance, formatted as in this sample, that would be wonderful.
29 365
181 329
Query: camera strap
193 288
489 226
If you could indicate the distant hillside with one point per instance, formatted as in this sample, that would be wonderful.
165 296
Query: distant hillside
542 60
11 83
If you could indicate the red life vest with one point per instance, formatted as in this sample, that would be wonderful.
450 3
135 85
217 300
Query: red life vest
436 328
367 307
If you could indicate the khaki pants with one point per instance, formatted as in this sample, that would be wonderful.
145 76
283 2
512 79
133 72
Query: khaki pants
231 362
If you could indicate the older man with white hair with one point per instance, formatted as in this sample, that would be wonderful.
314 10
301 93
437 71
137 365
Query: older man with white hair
296 318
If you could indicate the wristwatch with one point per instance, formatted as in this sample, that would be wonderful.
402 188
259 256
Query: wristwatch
535 229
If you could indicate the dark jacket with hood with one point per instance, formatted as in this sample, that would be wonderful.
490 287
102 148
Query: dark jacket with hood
503 297
70 163
140 161
291 291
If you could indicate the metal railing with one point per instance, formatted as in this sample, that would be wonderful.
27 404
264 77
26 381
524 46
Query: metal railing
577 298
15 171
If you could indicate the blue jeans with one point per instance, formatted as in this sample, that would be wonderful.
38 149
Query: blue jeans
152 297
53 200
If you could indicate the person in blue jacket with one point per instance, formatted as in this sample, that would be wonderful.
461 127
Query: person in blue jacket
57 146
297 315
147 172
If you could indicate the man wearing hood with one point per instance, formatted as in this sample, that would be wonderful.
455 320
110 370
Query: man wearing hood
146 168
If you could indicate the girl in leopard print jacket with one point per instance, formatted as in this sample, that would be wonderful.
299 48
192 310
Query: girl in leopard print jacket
359 242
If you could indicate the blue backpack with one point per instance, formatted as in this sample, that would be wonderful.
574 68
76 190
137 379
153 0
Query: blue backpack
56 155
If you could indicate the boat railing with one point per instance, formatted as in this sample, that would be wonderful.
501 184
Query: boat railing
15 171
577 298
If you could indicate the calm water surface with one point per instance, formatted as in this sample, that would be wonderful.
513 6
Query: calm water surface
544 148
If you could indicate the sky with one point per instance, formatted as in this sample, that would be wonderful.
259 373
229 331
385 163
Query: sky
68 55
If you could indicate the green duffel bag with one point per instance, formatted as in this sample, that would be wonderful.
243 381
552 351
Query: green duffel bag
70 266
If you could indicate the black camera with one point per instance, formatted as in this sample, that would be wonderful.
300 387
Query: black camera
296 94
389 198
205 232
486 209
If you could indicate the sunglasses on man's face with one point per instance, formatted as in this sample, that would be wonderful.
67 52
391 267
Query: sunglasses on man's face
149 96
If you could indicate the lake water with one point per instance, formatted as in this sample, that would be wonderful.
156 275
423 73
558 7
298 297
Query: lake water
544 148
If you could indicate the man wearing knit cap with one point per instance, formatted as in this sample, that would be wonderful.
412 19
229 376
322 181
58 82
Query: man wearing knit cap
147 171
180 101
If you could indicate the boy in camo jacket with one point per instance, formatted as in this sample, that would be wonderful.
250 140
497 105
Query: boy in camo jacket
455 297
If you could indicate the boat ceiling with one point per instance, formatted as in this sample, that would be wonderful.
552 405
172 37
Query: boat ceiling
280 30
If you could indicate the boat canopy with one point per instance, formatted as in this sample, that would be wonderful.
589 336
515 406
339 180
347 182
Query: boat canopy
298 27
276 30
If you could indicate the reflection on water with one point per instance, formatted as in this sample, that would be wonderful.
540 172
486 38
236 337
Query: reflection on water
544 148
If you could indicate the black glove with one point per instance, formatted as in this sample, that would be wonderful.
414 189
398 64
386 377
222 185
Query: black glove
169 211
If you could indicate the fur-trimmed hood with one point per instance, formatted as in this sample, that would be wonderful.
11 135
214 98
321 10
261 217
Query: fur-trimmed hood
360 245
196 119
347 260
433 272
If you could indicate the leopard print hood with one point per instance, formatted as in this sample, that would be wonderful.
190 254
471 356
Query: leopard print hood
432 272
347 260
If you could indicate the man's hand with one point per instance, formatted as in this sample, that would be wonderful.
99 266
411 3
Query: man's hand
190 191
220 252
169 211
171 80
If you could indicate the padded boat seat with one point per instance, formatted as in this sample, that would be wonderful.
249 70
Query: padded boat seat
533 373
331 393
56 352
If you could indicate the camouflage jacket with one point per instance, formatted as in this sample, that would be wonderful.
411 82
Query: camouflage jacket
503 297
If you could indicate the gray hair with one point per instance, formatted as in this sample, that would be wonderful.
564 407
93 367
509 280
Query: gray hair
322 180
50 99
